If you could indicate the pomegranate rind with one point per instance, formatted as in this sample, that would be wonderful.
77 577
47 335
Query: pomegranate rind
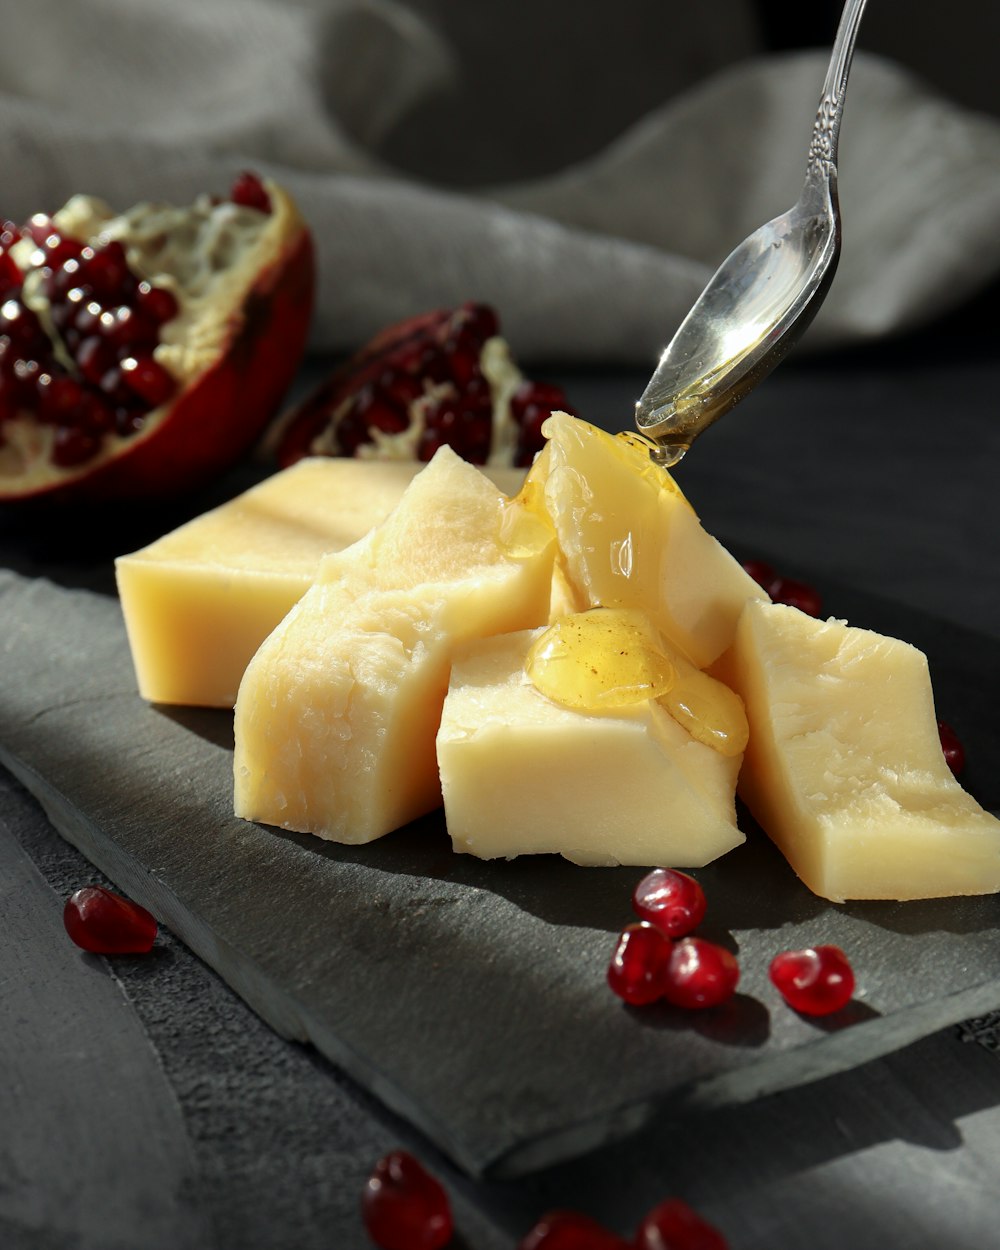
221 412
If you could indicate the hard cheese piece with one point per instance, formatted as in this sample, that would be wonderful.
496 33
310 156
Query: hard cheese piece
338 710
200 601
521 774
630 539
844 768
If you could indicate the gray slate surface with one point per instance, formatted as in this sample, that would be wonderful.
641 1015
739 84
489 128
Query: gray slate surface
384 956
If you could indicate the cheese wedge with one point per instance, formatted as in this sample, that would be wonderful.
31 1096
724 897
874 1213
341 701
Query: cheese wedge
199 601
844 767
521 774
628 538
338 710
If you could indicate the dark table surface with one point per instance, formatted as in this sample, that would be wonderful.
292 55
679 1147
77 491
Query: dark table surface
192 1124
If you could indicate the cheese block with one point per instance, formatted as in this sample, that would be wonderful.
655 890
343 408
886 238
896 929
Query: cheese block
338 710
629 538
199 601
844 767
521 774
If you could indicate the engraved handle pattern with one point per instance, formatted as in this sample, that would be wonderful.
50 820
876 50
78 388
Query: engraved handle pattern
822 155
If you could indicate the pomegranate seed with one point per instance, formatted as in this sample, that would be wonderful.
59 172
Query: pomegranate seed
673 1225
951 745
106 270
88 318
39 227
107 924
404 1207
379 412
59 249
148 379
400 388
463 361
128 421
10 232
94 358
59 396
159 304
10 274
797 595
700 974
671 900
637 972
72 446
125 327
22 327
249 192
430 443
531 395
479 320
763 573
569 1230
815 981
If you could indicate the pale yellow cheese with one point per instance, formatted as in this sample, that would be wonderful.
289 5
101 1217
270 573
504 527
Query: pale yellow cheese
199 601
628 538
844 768
338 710
521 774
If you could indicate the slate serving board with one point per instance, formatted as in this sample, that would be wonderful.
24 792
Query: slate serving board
469 996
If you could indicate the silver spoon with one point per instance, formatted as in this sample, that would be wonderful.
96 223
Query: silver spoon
764 294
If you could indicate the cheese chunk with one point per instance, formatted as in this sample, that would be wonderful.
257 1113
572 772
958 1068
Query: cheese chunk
338 710
199 601
844 768
521 774
628 538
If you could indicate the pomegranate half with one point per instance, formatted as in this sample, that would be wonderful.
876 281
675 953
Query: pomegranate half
441 377
142 354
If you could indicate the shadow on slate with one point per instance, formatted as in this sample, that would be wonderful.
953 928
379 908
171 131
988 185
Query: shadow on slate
470 997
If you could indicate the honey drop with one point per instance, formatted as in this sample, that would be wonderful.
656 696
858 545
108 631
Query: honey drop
600 660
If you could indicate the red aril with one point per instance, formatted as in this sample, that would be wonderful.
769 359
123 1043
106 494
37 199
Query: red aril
700 974
404 1207
798 595
786 590
638 966
951 745
569 1230
440 377
671 900
141 354
673 1225
107 924
815 981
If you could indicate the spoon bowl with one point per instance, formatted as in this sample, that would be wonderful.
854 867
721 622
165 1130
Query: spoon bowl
764 294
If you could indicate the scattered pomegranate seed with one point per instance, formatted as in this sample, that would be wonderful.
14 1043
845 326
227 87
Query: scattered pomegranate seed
785 590
671 900
673 1225
951 745
404 1207
249 192
107 924
700 974
815 981
569 1230
764 574
798 595
638 968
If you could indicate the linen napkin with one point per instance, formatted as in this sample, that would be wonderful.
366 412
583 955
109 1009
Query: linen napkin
594 249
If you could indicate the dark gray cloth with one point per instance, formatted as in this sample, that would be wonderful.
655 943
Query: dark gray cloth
441 157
